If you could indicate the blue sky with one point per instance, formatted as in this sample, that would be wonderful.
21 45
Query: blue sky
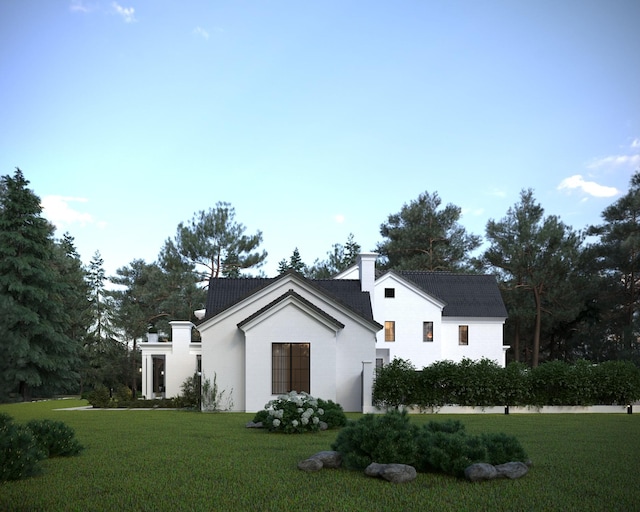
314 119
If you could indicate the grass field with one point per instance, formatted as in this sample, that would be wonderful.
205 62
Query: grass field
170 460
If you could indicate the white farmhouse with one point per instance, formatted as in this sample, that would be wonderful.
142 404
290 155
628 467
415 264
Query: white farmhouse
262 337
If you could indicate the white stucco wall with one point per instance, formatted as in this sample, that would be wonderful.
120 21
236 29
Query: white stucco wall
408 309
241 360
485 339
180 360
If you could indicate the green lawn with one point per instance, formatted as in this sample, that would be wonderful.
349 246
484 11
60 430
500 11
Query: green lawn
170 460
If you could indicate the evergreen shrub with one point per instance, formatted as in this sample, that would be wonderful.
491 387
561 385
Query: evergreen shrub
383 438
443 447
333 415
55 438
100 397
19 450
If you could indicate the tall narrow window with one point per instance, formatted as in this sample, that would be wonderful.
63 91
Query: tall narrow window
389 331
427 331
463 334
290 367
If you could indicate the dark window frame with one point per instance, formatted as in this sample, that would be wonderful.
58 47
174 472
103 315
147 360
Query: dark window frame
290 368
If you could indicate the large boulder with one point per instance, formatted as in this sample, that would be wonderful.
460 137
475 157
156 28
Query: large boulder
394 473
325 459
330 459
480 472
512 470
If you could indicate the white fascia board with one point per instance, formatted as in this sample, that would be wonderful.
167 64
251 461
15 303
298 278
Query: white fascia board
290 301
401 281
477 319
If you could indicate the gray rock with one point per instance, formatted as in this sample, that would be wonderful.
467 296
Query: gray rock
323 426
310 465
394 473
480 472
251 424
373 469
512 470
329 459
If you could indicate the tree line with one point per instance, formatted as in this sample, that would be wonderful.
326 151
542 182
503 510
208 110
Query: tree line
570 294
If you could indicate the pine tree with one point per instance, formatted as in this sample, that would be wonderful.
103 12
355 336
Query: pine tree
422 236
36 349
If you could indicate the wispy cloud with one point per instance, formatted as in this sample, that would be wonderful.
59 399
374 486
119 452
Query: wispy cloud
199 31
477 212
617 160
127 13
635 144
339 218
79 6
58 210
588 187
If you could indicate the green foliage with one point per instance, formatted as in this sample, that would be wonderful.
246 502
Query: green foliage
382 438
618 382
214 240
517 388
214 400
191 392
501 448
443 447
37 351
483 384
448 452
55 438
19 450
539 255
293 413
340 258
100 397
123 394
592 453
395 384
422 236
333 415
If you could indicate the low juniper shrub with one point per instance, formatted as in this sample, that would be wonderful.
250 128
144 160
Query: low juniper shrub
443 447
19 451
55 438
383 438
503 448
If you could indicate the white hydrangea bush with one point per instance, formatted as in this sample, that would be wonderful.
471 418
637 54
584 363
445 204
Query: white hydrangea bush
293 413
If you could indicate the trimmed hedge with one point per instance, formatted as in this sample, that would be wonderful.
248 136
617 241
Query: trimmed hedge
484 383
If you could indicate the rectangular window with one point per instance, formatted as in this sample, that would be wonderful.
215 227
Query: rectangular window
427 331
389 293
463 334
290 367
389 331
379 362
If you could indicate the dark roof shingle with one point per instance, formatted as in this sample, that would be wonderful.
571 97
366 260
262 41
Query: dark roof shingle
225 292
467 295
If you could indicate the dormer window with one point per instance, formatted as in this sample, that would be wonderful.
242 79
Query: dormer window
389 293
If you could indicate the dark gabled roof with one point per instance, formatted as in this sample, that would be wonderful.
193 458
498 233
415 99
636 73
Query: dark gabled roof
467 295
225 292
299 297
